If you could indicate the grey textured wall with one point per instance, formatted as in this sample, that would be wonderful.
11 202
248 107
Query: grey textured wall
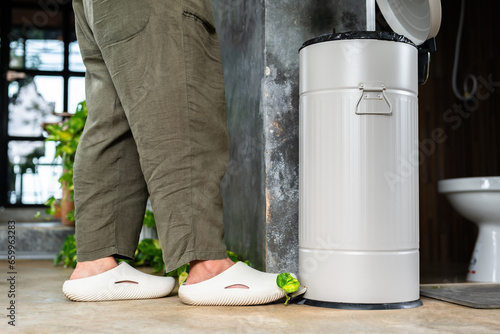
240 26
260 41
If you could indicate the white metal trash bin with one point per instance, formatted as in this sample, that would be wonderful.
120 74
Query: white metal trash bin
359 158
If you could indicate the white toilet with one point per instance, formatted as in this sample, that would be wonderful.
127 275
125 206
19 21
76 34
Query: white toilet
478 199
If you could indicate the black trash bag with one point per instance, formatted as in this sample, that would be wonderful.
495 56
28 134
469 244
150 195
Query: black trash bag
379 35
424 50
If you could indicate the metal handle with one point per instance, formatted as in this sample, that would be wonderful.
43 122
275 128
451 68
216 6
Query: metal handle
373 92
428 66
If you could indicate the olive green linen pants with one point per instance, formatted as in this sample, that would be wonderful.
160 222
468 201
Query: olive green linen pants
156 126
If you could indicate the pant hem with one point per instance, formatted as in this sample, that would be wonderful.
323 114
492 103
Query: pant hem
106 252
193 255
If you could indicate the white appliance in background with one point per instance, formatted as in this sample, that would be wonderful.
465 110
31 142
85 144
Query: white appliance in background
478 199
358 180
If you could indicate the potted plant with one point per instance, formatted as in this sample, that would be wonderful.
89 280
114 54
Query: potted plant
67 135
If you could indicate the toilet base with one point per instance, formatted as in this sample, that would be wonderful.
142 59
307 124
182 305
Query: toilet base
485 262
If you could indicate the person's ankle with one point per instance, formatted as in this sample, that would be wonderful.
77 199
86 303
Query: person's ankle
202 270
92 268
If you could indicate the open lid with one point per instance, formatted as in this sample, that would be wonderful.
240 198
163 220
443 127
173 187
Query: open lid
418 20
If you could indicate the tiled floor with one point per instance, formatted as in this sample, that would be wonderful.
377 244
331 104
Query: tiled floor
40 307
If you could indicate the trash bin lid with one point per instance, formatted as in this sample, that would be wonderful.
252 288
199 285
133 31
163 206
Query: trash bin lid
419 20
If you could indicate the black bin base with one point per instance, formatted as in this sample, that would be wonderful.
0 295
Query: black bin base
353 306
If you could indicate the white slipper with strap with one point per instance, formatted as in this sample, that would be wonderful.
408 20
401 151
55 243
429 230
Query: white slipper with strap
120 283
258 288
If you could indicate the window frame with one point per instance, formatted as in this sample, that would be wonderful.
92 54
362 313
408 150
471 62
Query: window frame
6 27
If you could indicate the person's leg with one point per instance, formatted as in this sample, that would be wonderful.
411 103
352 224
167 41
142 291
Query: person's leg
209 142
169 80
110 190
164 61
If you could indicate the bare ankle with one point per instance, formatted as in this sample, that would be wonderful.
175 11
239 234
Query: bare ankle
201 270
92 268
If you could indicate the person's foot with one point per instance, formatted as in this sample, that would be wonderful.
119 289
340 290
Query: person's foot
105 280
200 271
223 282
92 268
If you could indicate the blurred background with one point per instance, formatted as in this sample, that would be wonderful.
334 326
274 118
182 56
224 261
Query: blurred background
42 82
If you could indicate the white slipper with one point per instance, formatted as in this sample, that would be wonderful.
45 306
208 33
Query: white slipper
120 283
262 288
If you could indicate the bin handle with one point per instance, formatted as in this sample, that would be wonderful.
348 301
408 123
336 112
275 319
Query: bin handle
428 66
375 92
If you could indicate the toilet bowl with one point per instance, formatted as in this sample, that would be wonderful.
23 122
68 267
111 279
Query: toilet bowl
478 199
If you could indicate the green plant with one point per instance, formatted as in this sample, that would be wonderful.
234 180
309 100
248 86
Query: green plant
67 135
68 252
52 207
181 272
148 251
236 258
149 254
288 283
149 219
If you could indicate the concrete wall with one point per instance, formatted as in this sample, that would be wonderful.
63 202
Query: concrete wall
260 42
240 26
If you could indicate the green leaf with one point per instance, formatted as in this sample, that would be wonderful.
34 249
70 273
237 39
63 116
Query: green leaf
81 109
282 279
292 285
51 138
182 278
58 259
233 256
75 124
149 219
183 269
149 253
50 201
68 177
63 136
71 216
288 283
172 273
68 252
68 149
50 211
